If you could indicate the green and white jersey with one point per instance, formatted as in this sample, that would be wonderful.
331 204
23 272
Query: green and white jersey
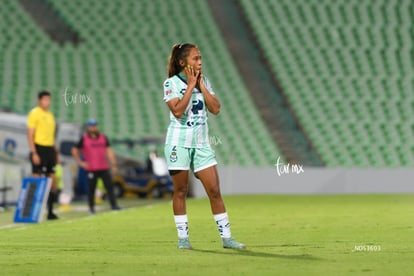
191 130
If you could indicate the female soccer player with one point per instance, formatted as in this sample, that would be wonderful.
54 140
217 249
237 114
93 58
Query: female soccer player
189 96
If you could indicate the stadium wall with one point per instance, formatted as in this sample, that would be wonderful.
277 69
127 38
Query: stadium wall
312 181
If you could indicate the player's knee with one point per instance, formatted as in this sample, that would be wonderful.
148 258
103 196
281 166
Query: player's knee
181 190
214 193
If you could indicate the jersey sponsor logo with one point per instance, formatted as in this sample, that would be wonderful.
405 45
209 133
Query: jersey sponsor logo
197 106
192 123
173 155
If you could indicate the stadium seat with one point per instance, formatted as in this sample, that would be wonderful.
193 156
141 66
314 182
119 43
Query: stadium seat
346 69
121 65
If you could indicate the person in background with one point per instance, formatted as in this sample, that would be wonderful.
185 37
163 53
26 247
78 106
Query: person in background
41 131
96 149
62 198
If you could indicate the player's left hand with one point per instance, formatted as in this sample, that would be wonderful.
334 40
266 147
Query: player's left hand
200 79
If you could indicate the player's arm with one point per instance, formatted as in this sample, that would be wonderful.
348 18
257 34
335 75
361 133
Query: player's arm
31 130
178 106
54 146
212 103
76 156
112 159
30 139
111 156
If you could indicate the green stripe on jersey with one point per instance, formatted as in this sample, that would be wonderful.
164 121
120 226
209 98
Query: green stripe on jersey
191 130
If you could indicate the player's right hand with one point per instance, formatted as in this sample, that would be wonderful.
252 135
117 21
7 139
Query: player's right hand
36 159
192 75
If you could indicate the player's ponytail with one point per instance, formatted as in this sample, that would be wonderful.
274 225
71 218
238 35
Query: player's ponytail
178 52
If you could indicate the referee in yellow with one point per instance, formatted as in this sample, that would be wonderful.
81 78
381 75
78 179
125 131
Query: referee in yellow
41 130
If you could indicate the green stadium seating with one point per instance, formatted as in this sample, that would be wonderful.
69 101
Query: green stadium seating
346 69
121 65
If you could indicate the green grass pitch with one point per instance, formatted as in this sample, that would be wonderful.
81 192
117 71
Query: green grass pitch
285 235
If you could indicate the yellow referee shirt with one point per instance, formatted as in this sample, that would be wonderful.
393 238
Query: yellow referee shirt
44 124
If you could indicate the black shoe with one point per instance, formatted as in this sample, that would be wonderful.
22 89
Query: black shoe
52 216
116 208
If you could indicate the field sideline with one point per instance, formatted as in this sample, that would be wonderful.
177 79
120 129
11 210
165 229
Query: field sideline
285 235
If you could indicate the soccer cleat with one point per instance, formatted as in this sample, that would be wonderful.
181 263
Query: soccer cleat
116 208
184 244
232 243
52 216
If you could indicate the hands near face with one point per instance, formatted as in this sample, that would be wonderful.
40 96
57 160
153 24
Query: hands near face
193 75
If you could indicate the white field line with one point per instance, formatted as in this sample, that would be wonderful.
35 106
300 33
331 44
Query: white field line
23 226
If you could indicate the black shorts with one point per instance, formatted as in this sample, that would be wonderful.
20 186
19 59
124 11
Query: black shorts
47 157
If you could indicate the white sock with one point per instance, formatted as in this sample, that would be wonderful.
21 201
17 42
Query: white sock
223 224
181 222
